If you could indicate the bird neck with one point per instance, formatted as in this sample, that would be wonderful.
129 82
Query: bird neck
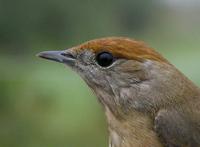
137 130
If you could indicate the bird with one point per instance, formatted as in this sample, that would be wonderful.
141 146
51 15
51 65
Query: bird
147 101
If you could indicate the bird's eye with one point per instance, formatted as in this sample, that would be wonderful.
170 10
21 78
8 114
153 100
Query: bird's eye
104 59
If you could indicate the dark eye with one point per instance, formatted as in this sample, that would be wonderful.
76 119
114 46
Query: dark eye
104 59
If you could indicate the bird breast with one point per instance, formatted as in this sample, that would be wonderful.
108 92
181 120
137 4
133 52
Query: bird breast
135 131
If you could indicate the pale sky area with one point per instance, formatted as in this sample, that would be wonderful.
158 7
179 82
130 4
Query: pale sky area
184 3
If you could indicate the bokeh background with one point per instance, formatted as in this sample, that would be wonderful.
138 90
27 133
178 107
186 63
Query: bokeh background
44 104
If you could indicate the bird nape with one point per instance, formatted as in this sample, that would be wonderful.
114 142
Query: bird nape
148 102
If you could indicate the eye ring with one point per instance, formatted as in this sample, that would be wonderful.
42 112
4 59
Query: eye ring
104 59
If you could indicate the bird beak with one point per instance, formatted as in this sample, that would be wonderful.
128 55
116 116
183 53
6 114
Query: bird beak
59 56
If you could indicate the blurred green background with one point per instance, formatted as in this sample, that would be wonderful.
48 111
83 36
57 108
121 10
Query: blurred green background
44 104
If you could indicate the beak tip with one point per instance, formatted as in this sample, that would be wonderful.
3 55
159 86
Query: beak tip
42 55
39 55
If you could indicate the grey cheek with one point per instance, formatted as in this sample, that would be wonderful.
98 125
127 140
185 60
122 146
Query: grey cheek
93 76
128 98
128 93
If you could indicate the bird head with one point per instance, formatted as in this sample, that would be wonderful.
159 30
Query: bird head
124 73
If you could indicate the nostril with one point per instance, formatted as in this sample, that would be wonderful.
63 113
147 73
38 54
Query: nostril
69 55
